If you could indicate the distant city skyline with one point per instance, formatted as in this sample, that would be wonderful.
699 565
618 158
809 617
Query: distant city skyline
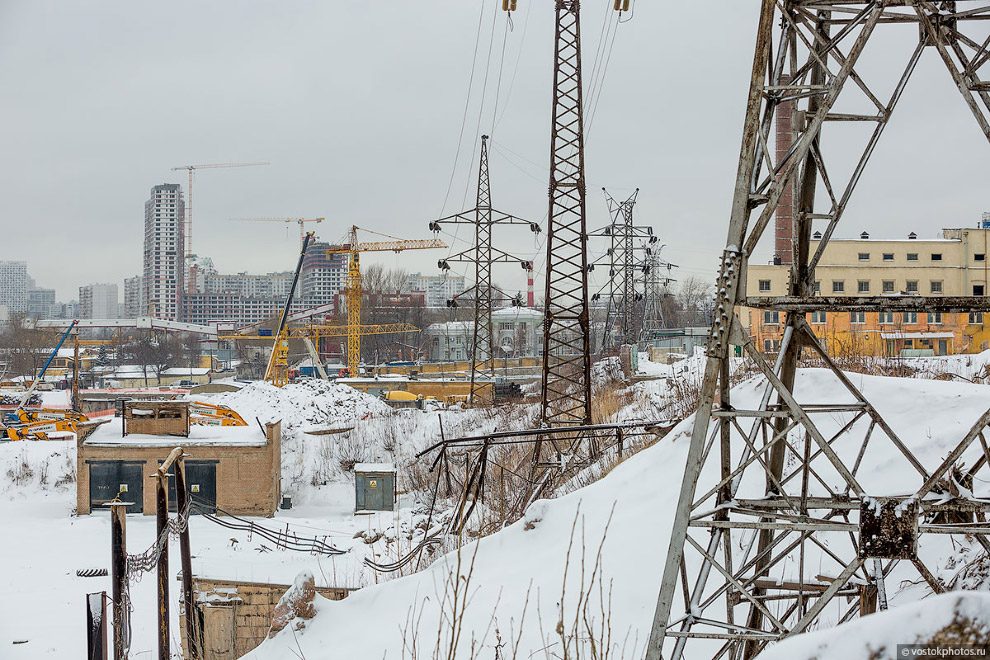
361 124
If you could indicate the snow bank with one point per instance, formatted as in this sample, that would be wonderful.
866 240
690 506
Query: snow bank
953 618
558 564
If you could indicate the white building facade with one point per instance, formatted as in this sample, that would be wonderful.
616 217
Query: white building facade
164 252
14 286
438 289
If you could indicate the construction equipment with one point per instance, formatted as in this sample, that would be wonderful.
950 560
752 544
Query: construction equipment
210 414
34 385
354 249
277 372
300 221
191 169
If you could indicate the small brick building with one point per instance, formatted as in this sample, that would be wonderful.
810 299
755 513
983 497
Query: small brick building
237 467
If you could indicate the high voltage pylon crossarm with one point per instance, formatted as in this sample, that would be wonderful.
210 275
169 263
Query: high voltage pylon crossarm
733 552
482 254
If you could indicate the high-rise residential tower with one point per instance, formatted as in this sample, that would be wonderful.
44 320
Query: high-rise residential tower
164 252
14 286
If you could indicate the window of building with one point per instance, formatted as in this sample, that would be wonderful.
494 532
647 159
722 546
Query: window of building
888 286
976 318
908 343
771 318
863 286
979 257
771 345
819 317
935 318
936 256
886 317
910 317
818 286
912 286
764 285
864 256
838 286
857 317
888 256
912 256
936 286
978 290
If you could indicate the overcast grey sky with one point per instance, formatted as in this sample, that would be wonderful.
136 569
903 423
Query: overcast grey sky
358 106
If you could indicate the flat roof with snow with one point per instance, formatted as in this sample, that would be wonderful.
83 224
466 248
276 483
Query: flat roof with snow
108 435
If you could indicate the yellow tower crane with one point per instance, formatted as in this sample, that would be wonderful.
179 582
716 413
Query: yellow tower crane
354 249
300 221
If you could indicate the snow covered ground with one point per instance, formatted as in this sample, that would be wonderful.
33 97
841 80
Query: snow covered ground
588 564
46 543
522 581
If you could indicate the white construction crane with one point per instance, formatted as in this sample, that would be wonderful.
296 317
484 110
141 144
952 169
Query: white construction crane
300 221
189 193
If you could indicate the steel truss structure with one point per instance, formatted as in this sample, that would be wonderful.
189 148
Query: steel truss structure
655 280
627 243
791 514
483 454
566 385
483 254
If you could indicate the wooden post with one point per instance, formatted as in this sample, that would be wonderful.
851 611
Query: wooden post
867 599
192 637
161 514
96 626
118 575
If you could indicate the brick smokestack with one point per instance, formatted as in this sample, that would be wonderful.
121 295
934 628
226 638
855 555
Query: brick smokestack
530 298
784 222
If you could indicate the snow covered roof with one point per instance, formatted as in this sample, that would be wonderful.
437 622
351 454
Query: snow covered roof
519 313
108 435
374 467
186 371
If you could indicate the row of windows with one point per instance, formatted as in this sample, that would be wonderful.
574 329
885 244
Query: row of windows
886 286
859 317
913 256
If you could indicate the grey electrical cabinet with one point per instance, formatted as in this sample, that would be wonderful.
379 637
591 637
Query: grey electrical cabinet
374 487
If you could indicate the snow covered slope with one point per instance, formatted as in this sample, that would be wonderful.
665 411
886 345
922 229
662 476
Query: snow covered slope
560 566
955 618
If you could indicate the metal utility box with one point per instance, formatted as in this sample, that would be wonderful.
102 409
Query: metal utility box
374 486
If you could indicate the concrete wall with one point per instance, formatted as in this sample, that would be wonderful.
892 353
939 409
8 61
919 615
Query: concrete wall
236 616
248 477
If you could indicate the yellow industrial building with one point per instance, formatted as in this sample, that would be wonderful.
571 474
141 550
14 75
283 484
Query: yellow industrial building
953 265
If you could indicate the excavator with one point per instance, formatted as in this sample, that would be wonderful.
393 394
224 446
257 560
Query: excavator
209 414
36 423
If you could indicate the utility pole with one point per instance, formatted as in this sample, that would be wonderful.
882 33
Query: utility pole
483 254
118 576
785 523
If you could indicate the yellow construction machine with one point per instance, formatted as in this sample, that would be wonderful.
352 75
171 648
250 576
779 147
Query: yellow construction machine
209 414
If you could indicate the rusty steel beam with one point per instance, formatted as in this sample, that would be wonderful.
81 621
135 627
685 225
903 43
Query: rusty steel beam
804 305
726 552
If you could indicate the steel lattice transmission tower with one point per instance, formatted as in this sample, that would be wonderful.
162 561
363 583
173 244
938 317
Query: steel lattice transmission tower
655 277
483 254
787 524
627 241
566 347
